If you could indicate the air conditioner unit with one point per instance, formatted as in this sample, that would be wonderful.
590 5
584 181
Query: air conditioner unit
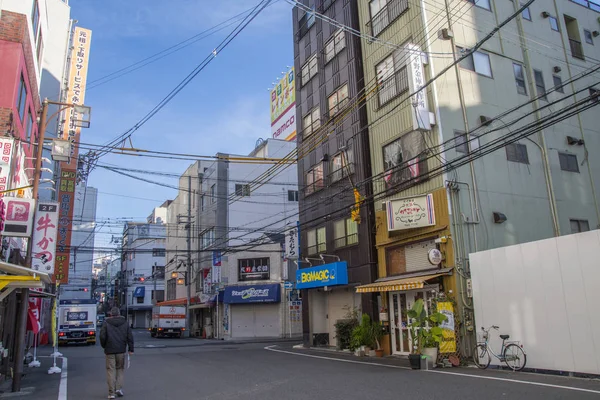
557 69
545 14
447 34
574 141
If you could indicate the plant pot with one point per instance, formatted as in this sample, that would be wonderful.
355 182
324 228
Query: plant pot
415 361
359 353
431 353
371 353
379 353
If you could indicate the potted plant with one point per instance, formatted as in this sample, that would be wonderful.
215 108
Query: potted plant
417 315
344 328
377 334
362 338
432 337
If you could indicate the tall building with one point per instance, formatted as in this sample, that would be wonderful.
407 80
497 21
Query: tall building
82 245
453 171
333 165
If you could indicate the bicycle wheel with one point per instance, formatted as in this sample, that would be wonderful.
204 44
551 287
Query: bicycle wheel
481 356
514 357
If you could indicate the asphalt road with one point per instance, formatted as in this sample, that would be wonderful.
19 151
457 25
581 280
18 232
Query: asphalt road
194 369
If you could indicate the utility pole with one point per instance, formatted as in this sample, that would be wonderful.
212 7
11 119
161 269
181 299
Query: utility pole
188 275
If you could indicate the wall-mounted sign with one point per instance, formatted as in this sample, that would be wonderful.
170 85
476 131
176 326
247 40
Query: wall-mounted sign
323 275
18 216
434 256
416 80
254 269
6 151
412 212
291 243
45 229
270 293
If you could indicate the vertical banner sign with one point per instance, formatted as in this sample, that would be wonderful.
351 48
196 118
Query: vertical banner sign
283 108
6 150
416 80
80 54
448 344
216 267
291 244
45 228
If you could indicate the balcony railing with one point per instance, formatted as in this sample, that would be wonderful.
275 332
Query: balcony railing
387 15
393 86
576 49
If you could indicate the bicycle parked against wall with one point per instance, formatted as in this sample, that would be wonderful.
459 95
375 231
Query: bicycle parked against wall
511 353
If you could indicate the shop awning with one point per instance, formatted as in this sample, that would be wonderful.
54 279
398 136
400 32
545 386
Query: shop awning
394 285
201 305
139 291
177 302
20 278
13 269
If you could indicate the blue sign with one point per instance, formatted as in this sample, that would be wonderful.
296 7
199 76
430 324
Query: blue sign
140 291
288 285
322 275
216 258
270 293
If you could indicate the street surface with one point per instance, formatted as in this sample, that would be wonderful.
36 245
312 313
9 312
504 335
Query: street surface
196 369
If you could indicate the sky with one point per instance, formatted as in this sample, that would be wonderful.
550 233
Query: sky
224 109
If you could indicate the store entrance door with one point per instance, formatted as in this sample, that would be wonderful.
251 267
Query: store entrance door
400 303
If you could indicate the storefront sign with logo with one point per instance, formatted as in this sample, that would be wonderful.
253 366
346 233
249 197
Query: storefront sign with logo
270 293
18 217
254 269
412 212
434 256
44 237
323 275
448 344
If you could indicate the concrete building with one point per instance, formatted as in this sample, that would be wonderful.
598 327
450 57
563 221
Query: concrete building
82 245
431 210
333 165
141 283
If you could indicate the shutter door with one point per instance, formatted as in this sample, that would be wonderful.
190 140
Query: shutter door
266 320
416 256
242 321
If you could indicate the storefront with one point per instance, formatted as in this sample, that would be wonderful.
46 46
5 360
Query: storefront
252 311
330 299
415 261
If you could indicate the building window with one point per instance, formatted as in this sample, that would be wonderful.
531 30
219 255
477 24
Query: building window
579 225
384 12
345 233
202 203
314 179
338 100
517 152
526 14
242 190
572 28
22 99
539 84
461 145
213 192
478 62
335 45
568 162
520 78
35 18
158 252
309 69
171 289
292 195
392 78
482 4
395 260
40 49
558 85
341 165
311 122
254 269
595 94
316 241
589 4
553 23
305 23
29 127
588 36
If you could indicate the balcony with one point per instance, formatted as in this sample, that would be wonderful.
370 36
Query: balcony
393 86
387 15
576 49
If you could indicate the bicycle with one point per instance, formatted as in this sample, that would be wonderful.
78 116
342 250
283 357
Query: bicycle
511 353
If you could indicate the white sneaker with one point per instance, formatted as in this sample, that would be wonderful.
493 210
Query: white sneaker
120 393
110 396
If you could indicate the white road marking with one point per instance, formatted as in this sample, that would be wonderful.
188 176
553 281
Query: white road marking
62 389
270 348
517 381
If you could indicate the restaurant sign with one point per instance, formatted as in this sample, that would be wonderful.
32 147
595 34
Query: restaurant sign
411 212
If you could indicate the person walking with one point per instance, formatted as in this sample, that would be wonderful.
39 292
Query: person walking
116 338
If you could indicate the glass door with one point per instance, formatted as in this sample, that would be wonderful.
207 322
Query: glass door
400 303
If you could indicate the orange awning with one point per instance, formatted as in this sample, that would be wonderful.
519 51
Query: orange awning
177 302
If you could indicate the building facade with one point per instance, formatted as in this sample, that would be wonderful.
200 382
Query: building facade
453 171
333 163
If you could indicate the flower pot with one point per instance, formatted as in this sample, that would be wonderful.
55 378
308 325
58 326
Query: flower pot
379 353
415 361
431 353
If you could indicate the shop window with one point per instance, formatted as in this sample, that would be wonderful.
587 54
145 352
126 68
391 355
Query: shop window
338 100
579 225
22 99
345 233
395 261
335 45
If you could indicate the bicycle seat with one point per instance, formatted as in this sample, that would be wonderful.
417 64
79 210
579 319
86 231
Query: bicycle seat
504 337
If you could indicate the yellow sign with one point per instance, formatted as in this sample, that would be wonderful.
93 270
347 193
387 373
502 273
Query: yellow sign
448 344
313 276
283 95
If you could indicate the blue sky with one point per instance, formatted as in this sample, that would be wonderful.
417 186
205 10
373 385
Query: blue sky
224 109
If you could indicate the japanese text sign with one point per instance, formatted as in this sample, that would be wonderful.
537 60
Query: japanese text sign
45 229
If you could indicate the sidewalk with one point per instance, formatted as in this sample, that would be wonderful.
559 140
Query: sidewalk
36 382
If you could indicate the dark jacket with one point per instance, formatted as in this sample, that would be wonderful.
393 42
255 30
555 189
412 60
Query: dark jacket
116 336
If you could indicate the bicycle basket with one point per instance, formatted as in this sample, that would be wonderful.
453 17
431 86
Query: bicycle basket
482 337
